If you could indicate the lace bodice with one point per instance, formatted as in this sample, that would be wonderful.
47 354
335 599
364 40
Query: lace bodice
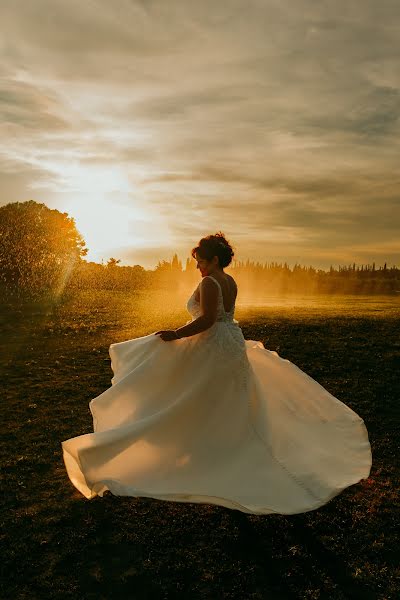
193 306
225 334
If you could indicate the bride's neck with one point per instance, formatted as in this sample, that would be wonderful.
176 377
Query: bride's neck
217 272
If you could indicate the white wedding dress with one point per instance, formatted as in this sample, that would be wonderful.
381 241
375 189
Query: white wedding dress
214 418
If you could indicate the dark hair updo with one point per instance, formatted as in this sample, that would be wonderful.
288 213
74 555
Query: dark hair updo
215 245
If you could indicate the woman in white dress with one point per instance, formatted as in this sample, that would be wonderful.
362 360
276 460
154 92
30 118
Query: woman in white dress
199 414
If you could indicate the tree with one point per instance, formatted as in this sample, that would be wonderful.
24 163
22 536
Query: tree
176 264
163 266
190 265
39 248
112 262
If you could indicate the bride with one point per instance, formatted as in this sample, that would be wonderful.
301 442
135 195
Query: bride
211 417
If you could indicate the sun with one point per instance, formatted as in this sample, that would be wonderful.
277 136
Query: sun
107 210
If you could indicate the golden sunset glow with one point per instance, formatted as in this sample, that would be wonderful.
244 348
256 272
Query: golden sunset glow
108 210
200 299
279 125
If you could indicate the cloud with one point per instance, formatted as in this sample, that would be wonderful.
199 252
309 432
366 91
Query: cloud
279 121
27 108
19 182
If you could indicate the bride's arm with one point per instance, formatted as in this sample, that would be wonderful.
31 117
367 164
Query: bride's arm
208 307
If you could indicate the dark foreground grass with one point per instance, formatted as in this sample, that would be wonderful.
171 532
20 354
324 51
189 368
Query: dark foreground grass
56 544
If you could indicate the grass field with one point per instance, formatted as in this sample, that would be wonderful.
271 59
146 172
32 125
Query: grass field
56 544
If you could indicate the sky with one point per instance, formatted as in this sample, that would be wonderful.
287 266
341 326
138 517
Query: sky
155 123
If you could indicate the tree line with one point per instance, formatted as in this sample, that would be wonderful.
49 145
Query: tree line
42 253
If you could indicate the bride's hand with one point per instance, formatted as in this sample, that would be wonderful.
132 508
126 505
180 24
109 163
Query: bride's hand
168 335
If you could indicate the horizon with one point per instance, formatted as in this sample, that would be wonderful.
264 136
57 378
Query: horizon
263 263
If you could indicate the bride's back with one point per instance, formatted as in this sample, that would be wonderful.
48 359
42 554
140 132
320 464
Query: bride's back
228 289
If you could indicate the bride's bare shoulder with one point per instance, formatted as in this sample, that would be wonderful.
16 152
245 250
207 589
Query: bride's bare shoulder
231 279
